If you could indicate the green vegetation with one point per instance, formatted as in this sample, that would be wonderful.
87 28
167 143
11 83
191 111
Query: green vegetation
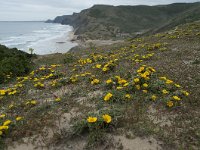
105 22
13 63
145 90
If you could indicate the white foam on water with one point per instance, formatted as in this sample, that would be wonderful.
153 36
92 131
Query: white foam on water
50 39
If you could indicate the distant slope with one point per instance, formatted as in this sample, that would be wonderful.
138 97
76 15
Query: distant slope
103 21
188 16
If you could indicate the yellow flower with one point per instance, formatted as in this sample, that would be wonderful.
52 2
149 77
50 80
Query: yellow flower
7 122
95 81
19 85
170 103
119 88
176 98
41 85
98 66
163 78
105 69
165 91
33 102
177 85
109 81
136 80
42 68
153 97
122 81
107 118
25 78
4 127
128 96
32 73
126 84
18 118
12 93
143 75
144 91
2 92
55 65
58 99
2 116
92 119
11 106
152 69
108 96
169 82
117 77
145 85
89 60
83 75
73 79
140 69
50 75
146 73
185 93
1 133
35 79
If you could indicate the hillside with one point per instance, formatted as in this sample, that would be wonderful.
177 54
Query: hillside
140 94
105 22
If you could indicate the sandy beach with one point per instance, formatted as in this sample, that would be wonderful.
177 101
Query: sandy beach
60 44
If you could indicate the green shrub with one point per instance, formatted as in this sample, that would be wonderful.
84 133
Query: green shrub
13 62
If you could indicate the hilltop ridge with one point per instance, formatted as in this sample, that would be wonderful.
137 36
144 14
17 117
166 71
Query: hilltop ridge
106 21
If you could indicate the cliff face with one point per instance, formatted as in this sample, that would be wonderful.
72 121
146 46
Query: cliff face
103 21
62 19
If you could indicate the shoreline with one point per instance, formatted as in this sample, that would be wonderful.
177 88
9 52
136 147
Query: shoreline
61 44
70 38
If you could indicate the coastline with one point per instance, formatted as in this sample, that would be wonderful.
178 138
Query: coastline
61 44
44 38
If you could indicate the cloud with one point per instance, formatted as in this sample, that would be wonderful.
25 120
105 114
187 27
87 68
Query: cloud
44 9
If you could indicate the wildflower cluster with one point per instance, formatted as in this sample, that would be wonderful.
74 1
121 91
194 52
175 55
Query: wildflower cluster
145 81
5 124
120 75
36 79
106 118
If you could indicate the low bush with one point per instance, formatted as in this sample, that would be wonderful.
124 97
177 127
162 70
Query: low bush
13 62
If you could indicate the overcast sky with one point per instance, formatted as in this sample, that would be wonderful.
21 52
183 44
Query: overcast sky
35 10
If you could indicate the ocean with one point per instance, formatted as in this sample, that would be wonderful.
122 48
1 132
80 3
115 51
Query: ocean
44 38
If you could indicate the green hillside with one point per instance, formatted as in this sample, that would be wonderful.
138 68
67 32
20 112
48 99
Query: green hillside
104 22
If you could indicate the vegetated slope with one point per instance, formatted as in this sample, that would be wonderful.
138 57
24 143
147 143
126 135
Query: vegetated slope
13 62
143 93
103 21
190 15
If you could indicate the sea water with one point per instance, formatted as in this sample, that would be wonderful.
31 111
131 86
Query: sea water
44 38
